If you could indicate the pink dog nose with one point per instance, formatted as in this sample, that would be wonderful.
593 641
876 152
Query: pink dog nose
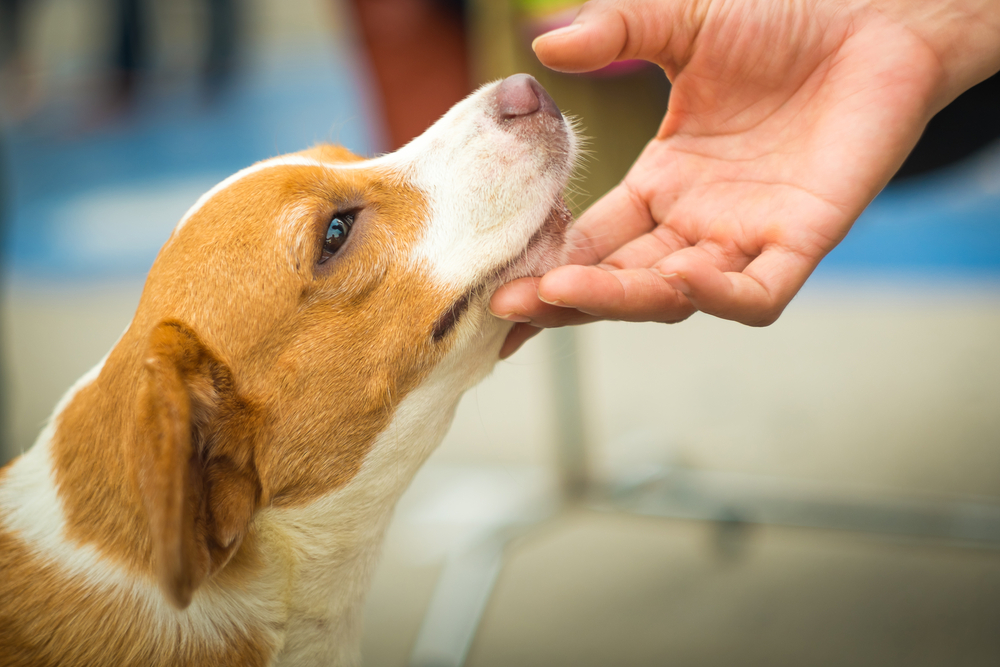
520 95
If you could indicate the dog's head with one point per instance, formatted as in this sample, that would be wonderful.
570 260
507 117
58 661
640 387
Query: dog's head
300 301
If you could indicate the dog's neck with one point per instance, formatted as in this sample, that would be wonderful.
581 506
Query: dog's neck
90 444
343 531
296 587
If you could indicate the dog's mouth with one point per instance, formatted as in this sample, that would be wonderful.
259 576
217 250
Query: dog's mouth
544 251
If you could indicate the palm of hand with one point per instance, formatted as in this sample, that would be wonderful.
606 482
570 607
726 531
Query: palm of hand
779 133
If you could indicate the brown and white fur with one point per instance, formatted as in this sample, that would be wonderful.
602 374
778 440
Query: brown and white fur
215 491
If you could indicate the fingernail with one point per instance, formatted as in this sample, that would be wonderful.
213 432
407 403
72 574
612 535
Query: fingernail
554 302
677 282
512 317
558 32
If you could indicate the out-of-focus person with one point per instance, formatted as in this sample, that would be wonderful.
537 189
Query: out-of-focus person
418 53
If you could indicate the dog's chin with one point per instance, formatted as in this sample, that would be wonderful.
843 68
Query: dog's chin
545 250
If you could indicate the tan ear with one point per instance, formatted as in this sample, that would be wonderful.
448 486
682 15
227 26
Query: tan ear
195 464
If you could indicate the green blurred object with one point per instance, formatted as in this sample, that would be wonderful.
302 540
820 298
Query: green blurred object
617 114
543 7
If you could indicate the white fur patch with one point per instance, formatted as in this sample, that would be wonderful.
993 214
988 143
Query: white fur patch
31 509
490 187
335 540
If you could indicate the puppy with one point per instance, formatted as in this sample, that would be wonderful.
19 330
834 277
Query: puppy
215 491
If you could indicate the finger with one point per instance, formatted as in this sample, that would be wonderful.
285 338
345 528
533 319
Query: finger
612 221
635 295
517 337
756 296
647 250
593 40
518 301
604 31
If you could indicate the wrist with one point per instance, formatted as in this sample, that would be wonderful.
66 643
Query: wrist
964 36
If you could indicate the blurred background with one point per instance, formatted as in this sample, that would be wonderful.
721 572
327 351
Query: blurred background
824 491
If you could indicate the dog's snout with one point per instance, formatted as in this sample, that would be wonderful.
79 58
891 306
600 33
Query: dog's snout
521 95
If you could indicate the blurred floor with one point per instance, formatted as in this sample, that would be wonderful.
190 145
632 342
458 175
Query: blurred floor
606 589
861 391
883 377
611 590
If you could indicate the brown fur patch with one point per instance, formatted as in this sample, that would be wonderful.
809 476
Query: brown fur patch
325 352
50 620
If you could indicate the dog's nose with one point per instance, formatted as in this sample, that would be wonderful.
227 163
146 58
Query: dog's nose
520 95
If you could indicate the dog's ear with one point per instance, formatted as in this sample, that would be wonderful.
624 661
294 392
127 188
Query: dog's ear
194 464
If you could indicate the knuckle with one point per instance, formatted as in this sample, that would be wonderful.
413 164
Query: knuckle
766 317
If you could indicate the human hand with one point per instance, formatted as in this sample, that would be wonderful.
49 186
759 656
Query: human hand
785 120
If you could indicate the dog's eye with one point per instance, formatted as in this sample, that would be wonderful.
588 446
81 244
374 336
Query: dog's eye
336 234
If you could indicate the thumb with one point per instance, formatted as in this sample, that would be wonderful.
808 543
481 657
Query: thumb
608 30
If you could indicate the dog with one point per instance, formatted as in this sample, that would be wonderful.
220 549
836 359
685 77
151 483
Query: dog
215 491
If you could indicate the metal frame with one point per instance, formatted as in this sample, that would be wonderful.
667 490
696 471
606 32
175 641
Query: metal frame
731 502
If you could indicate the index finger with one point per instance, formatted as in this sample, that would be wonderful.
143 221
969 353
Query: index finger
604 31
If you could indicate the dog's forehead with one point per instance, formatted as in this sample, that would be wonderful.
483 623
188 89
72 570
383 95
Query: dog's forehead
280 208
329 158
